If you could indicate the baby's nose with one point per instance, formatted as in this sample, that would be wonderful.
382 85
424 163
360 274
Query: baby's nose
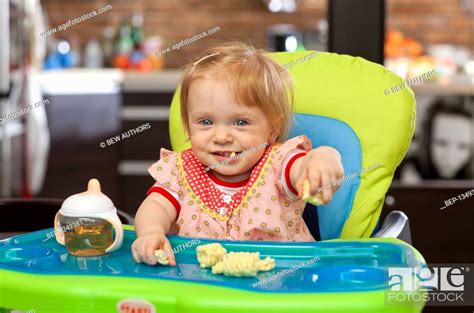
222 134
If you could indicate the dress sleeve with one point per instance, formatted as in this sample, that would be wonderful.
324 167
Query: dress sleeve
285 156
165 173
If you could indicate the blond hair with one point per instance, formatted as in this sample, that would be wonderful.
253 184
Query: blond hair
253 79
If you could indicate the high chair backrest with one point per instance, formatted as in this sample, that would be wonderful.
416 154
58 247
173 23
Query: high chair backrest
357 107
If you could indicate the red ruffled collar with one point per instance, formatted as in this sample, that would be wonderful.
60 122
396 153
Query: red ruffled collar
200 182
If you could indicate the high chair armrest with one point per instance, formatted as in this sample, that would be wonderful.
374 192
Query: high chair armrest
395 225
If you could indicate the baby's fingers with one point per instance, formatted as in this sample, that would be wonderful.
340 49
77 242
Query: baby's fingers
169 252
135 253
326 186
336 183
149 252
140 250
315 183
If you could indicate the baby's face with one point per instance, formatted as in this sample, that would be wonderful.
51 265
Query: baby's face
220 126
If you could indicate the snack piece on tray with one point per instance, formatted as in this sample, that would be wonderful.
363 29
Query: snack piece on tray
161 257
210 254
236 264
316 200
240 264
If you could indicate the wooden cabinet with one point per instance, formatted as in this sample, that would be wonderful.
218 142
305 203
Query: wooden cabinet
442 236
138 152
77 124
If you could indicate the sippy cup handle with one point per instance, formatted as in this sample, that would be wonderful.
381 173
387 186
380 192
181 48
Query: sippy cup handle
117 224
57 230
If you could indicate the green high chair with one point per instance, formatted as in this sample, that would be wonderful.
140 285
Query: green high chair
340 101
347 103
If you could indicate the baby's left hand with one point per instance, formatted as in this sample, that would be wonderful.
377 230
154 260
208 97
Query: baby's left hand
323 168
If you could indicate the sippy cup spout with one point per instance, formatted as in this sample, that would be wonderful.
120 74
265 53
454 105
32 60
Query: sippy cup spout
93 187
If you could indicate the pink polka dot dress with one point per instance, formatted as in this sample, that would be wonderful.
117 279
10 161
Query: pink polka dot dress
263 207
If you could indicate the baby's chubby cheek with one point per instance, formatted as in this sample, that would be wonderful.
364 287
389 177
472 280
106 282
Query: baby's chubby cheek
249 159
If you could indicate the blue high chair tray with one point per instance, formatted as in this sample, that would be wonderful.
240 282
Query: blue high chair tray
307 275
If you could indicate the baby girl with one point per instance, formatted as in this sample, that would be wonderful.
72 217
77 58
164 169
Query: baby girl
242 179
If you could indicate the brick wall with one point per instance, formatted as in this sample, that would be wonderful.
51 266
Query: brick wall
430 21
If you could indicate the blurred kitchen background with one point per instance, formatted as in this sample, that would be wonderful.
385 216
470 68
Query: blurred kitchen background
111 73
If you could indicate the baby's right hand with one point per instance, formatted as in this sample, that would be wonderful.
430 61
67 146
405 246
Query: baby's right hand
143 248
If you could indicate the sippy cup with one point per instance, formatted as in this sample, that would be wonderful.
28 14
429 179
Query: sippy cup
86 221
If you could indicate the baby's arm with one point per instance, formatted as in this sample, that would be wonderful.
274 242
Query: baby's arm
152 222
322 167
155 214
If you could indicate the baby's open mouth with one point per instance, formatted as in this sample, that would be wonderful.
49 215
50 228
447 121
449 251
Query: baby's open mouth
226 154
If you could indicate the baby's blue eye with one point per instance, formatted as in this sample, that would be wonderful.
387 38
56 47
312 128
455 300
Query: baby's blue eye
241 122
205 122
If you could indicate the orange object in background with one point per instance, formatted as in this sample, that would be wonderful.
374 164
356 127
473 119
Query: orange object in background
397 45
156 61
148 64
144 65
121 61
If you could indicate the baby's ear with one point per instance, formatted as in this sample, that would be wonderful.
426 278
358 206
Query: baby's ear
273 136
